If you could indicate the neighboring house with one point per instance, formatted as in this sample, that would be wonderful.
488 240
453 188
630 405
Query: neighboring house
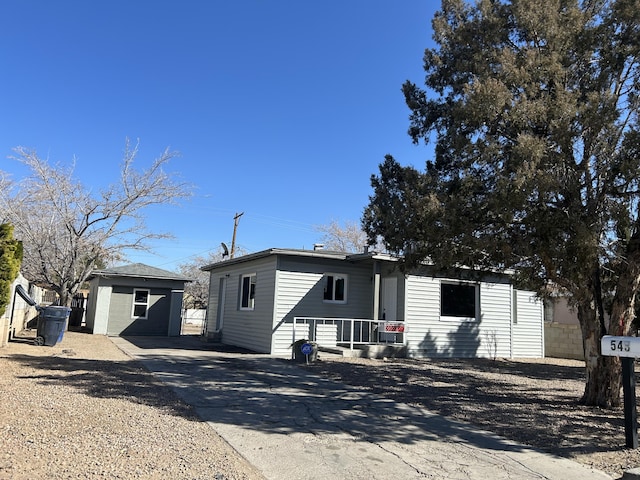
562 333
266 300
18 313
135 300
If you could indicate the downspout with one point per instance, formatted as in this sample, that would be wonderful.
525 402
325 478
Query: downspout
13 306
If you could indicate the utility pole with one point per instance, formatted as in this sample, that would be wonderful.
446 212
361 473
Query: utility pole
236 219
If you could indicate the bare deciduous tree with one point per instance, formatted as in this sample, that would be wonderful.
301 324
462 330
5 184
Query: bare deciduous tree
196 293
68 229
348 238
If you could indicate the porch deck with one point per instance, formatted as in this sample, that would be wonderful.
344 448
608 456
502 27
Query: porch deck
349 337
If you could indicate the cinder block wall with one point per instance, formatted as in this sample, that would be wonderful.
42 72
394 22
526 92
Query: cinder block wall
562 340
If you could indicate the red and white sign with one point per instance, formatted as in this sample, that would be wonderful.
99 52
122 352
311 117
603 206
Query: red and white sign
393 327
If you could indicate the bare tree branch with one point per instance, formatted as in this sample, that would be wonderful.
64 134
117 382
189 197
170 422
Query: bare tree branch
67 230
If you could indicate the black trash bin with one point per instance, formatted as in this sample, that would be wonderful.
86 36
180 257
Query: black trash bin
52 322
75 318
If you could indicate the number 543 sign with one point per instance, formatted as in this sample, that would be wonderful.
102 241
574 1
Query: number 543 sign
613 346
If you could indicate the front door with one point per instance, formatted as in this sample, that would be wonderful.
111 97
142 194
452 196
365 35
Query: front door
389 306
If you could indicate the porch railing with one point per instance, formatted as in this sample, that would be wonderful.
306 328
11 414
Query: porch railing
347 331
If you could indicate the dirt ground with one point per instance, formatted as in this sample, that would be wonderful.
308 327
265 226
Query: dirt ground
84 410
532 401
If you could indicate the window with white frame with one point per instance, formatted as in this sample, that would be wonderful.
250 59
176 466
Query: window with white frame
247 291
335 288
140 307
459 300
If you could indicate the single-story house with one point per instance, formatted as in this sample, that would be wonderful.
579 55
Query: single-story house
562 332
135 300
267 300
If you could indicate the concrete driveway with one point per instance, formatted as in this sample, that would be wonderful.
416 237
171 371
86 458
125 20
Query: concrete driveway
291 424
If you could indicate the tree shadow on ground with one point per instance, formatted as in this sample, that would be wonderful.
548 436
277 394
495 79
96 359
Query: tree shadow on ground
127 380
536 404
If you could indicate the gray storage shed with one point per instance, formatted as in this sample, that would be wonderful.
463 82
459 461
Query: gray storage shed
135 299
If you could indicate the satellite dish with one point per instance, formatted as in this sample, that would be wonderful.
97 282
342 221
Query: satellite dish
225 250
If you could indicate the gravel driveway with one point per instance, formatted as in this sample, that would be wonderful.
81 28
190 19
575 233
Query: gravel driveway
84 410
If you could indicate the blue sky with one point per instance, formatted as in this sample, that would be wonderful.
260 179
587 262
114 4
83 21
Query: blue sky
280 109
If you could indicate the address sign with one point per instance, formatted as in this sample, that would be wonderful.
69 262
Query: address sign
614 346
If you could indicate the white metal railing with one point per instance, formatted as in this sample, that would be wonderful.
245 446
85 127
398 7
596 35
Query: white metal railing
347 331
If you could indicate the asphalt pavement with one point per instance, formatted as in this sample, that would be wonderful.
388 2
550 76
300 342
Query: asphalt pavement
294 425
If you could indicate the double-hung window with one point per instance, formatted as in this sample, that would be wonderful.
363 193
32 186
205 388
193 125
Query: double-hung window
335 288
459 300
140 307
247 291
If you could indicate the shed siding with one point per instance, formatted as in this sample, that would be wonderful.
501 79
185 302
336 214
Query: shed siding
120 308
528 331
100 322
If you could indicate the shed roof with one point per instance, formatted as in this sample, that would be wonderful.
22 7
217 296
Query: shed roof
139 270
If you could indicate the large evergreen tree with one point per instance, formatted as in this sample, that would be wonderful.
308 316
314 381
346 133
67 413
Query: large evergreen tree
533 108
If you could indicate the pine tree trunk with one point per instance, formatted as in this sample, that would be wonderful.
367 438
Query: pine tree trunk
624 301
603 380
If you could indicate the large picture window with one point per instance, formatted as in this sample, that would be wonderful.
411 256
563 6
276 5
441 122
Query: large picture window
458 300
140 303
248 292
335 288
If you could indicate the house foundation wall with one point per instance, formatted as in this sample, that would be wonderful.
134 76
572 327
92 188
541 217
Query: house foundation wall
563 340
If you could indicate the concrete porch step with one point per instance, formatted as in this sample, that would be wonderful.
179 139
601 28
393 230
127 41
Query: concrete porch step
367 351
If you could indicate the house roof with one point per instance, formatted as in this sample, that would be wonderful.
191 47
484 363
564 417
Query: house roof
139 270
327 254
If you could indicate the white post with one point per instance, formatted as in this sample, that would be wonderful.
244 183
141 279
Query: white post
352 330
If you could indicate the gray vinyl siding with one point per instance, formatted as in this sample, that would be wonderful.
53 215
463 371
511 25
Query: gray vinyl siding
424 332
120 310
293 296
249 329
494 330
212 303
300 293
429 335
528 331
